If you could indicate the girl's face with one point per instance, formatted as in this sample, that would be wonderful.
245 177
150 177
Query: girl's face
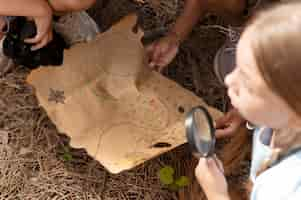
250 94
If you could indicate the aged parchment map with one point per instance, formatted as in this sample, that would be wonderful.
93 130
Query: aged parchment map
109 102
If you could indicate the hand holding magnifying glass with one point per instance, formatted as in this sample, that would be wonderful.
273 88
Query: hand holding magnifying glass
211 178
200 133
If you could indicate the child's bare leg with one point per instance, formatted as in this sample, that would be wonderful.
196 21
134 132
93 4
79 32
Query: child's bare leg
233 7
63 6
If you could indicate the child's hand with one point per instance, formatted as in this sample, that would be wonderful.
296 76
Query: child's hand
2 25
44 31
209 173
229 123
163 51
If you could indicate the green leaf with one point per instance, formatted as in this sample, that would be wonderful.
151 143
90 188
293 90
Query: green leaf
67 157
183 181
173 187
166 175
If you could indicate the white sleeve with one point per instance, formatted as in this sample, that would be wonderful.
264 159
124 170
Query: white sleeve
281 182
296 195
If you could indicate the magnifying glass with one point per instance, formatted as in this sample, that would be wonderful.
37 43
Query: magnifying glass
200 132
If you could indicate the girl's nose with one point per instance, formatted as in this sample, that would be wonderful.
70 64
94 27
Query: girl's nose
232 82
229 80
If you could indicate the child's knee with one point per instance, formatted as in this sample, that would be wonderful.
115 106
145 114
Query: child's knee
76 5
81 4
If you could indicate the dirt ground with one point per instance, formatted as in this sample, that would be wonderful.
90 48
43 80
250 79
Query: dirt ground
33 162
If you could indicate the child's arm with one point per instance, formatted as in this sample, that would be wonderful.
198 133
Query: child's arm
163 51
30 8
210 175
193 11
38 10
70 5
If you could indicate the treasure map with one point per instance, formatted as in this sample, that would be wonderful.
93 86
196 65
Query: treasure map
108 101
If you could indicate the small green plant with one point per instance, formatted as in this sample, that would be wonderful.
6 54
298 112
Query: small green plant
67 156
167 178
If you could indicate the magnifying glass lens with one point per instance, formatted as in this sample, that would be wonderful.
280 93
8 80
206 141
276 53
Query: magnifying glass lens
200 131
203 131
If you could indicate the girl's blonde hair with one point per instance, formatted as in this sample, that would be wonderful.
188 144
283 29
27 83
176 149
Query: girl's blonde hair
276 43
